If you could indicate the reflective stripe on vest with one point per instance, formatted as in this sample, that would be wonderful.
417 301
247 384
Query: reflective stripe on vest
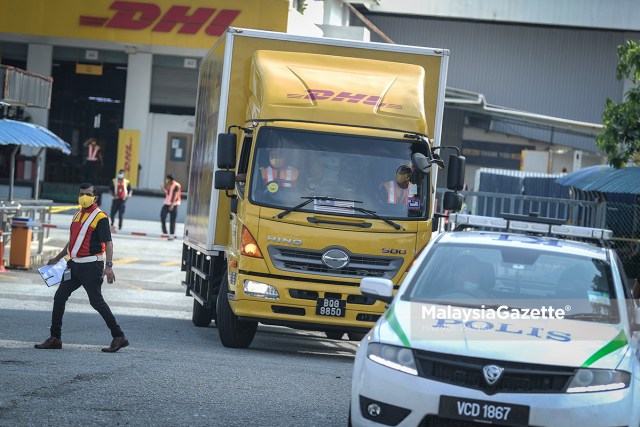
92 154
169 198
274 174
120 188
77 244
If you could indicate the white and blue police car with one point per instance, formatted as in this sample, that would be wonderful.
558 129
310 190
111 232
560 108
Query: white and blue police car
522 325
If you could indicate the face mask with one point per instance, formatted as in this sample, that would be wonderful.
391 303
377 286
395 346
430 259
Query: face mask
120 175
85 201
470 286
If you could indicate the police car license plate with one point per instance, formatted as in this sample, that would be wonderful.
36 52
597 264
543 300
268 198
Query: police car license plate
480 410
331 307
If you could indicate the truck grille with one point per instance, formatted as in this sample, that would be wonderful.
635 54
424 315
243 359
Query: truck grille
516 378
310 261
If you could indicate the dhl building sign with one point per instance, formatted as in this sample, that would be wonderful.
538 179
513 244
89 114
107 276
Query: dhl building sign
183 23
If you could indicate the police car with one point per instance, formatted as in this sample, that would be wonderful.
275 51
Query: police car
512 323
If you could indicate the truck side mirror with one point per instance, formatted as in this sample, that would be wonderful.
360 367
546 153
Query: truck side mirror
224 180
452 201
226 158
421 162
455 174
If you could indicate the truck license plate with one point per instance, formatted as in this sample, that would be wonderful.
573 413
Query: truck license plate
331 307
483 411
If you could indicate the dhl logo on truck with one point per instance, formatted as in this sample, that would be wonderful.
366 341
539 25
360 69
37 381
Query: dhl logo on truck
131 15
324 95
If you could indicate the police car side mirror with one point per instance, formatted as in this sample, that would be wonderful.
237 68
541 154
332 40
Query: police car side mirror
636 320
380 289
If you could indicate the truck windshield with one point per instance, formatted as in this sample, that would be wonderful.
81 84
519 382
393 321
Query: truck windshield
291 164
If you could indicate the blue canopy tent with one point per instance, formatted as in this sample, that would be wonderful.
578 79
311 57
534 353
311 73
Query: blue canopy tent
604 179
30 135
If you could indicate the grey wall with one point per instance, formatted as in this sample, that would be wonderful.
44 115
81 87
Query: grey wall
562 72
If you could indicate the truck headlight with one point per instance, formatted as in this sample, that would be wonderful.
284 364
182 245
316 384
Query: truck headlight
260 290
590 380
394 357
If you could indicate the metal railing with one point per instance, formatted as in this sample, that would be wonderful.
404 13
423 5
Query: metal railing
621 218
38 211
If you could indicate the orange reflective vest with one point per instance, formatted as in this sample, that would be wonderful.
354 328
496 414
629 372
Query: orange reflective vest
171 198
120 188
92 152
286 176
83 225
395 194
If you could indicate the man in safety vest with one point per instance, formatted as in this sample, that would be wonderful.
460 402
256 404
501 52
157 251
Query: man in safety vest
397 191
277 175
120 191
91 254
173 193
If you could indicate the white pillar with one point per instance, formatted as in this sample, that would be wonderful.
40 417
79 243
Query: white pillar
39 59
577 160
136 107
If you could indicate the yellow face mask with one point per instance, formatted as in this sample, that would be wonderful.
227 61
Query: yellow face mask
85 201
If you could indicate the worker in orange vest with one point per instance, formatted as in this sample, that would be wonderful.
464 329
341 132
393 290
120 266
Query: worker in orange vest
397 191
120 191
173 193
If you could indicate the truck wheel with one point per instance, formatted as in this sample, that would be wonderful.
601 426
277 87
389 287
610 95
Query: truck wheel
201 316
334 335
234 333
356 336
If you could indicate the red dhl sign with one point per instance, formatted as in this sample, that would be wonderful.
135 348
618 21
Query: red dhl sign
131 15
329 95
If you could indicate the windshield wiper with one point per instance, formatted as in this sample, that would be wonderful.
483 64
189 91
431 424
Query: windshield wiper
376 216
310 199
592 316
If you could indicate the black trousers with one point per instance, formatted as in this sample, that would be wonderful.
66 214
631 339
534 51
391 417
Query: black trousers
117 206
89 276
173 214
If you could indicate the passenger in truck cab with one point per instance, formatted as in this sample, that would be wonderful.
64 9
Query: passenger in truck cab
284 176
396 191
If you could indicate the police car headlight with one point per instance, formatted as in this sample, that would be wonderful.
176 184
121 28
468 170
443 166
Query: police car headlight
590 380
394 357
260 290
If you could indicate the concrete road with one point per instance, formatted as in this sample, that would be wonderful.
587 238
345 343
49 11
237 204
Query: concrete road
172 374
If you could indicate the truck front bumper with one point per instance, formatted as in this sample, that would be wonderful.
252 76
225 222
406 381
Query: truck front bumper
297 302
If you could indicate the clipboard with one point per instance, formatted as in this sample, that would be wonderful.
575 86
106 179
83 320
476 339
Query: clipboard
52 274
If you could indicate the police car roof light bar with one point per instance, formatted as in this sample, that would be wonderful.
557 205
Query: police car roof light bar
532 226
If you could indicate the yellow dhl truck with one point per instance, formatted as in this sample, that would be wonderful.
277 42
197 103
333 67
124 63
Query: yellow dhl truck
311 169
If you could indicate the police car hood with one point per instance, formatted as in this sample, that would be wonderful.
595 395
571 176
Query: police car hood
560 342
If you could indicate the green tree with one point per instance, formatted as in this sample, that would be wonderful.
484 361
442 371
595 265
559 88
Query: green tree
620 138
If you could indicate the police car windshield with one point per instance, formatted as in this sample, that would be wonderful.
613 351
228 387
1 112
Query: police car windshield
477 275
335 169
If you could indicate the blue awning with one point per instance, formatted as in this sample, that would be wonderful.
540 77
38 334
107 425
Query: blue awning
604 179
27 134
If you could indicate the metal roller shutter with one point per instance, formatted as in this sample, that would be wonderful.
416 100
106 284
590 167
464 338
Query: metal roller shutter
176 87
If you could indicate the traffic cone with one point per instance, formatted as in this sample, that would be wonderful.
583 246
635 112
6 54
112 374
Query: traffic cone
2 269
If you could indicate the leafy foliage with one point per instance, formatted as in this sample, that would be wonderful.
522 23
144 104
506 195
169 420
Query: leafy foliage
620 139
